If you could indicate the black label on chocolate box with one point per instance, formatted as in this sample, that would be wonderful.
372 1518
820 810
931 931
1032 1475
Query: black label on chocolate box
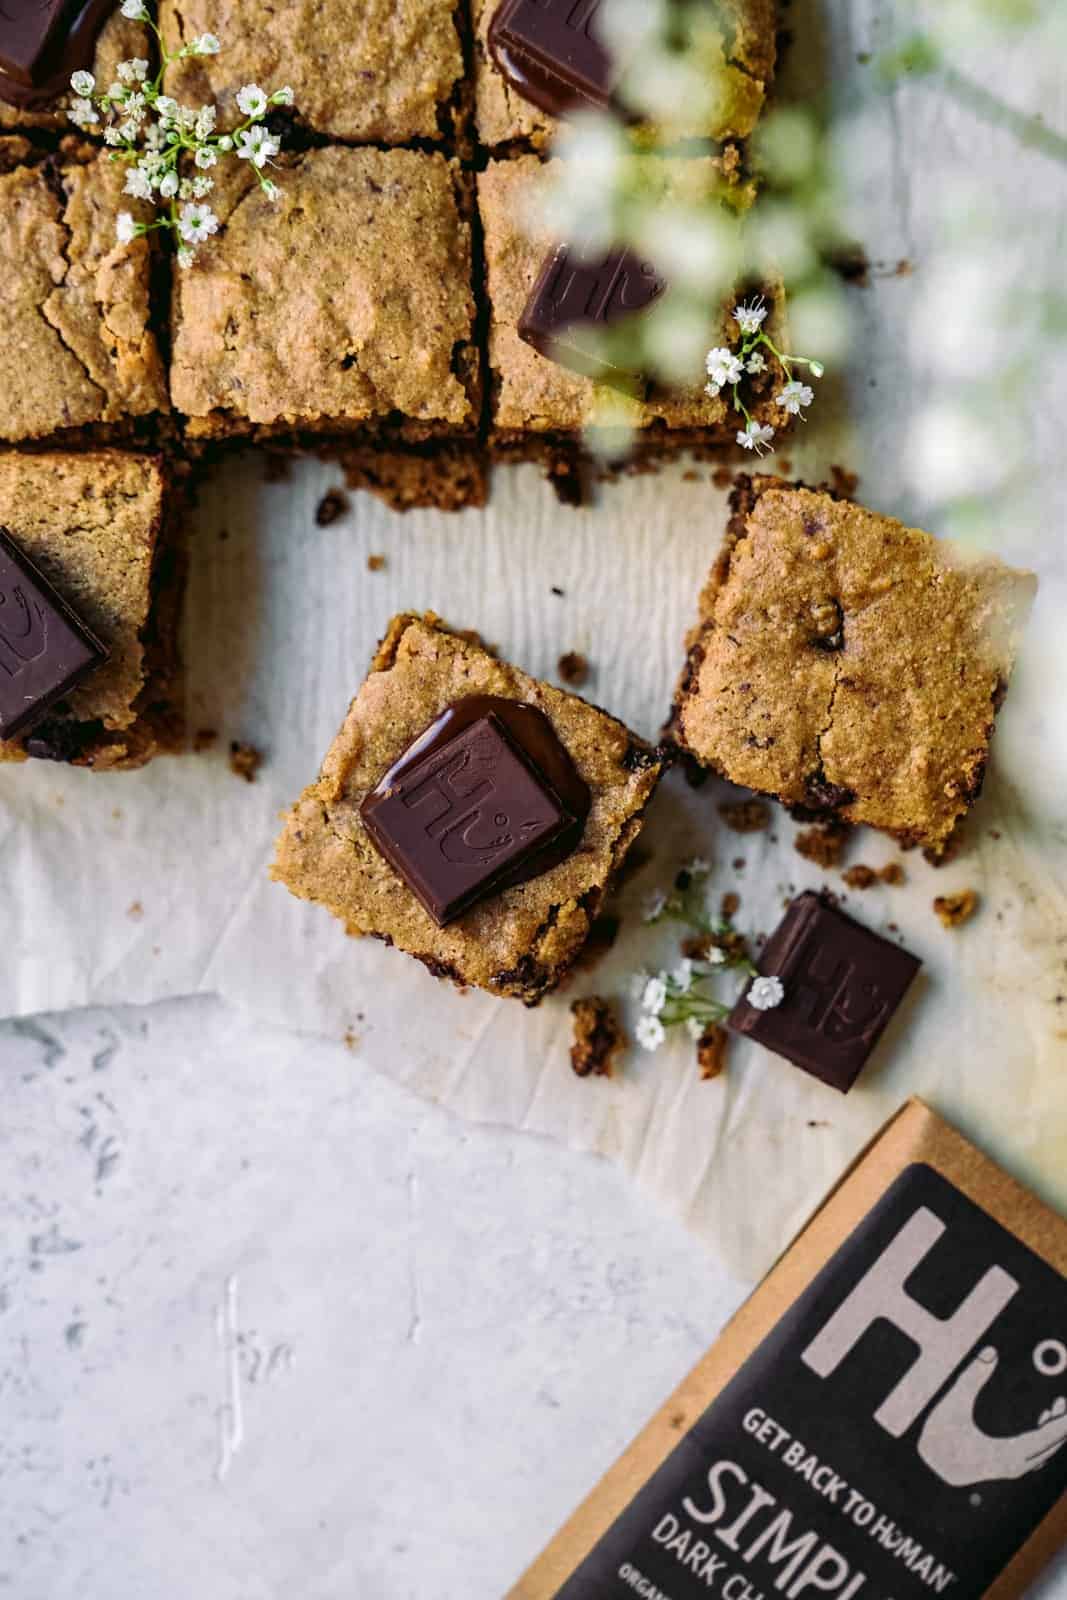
900 1433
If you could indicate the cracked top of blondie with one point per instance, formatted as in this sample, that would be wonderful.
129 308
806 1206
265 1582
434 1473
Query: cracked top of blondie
845 663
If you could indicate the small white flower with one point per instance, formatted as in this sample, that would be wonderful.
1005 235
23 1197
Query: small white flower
271 189
697 866
168 184
757 362
185 189
694 1028
137 69
202 186
723 366
116 92
755 436
251 100
112 136
716 957
683 975
82 112
134 9
128 130
138 183
205 44
765 993
206 158
154 136
205 122
637 985
196 222
816 369
283 97
125 227
257 145
650 1032
654 906
82 83
713 389
226 143
166 108
794 397
125 74
134 107
654 997
186 257
187 116
750 318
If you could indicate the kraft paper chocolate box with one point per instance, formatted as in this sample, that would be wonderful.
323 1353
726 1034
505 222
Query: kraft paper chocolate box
884 1419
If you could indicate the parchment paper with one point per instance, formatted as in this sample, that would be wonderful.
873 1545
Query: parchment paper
137 886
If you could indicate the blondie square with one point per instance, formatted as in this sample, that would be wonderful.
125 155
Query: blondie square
520 938
99 526
78 357
743 65
343 307
849 665
366 71
536 404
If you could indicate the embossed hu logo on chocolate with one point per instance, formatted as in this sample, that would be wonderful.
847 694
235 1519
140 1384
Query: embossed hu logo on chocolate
23 630
550 52
575 302
473 813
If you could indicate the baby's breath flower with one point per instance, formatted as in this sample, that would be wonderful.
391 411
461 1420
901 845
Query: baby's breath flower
185 189
82 113
197 223
765 993
794 397
128 130
133 71
716 957
202 186
723 366
134 10
650 1032
83 83
251 100
138 183
204 126
166 108
186 257
257 145
206 157
816 369
682 976
755 436
757 362
750 318
205 44
112 136
270 189
125 227
168 184
282 97
116 92
225 143
654 996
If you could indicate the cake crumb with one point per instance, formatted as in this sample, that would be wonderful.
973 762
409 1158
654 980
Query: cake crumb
824 845
729 906
892 873
375 563
955 909
711 1051
745 816
331 507
245 760
598 1037
722 477
573 668
843 483
204 738
556 590
860 877
691 476
135 911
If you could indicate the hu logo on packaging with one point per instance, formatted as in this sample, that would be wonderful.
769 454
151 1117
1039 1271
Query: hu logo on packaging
23 630
950 1443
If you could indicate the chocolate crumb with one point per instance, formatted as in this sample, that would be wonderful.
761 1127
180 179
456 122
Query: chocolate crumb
824 844
722 477
850 263
955 909
573 668
690 476
204 738
598 1038
245 760
375 563
558 591
843 483
745 816
729 906
892 873
711 1051
331 507
860 877
738 863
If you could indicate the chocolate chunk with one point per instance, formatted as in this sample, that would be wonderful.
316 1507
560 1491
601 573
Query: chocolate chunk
550 52
485 798
28 32
45 650
842 984
575 303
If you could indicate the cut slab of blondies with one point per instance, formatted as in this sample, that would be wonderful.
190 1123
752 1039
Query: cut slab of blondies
342 310
370 71
515 754
848 665
78 355
100 527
